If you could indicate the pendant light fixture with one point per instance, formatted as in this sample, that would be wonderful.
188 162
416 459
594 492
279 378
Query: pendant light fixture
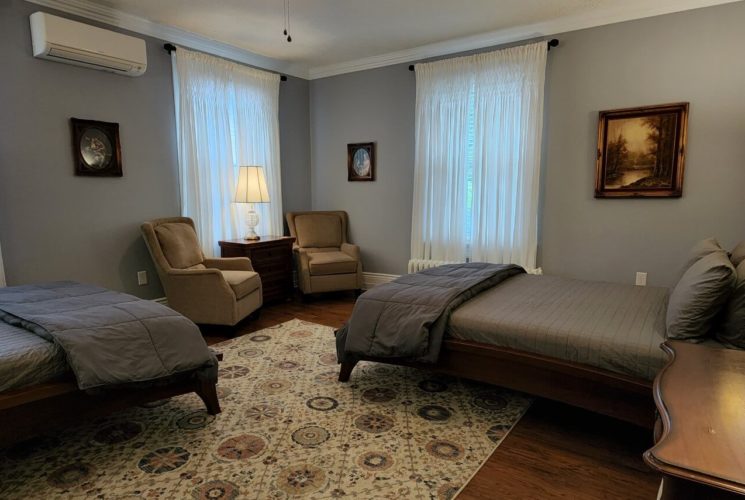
286 32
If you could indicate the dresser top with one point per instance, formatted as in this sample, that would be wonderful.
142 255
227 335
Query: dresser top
265 240
700 395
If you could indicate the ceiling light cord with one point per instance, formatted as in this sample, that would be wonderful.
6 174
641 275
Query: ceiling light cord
286 32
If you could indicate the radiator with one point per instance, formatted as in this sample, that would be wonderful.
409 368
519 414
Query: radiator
416 265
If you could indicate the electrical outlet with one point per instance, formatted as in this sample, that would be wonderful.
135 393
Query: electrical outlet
641 279
142 278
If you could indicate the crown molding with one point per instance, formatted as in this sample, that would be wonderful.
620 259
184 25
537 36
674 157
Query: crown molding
615 14
100 13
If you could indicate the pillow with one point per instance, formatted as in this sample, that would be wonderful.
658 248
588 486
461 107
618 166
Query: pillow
738 254
732 331
179 244
699 296
699 250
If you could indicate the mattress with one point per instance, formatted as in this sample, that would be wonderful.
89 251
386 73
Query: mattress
605 325
27 359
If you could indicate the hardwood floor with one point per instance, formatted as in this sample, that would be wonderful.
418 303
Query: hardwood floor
555 451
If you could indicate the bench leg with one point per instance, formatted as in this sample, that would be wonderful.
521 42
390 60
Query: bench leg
346 370
208 392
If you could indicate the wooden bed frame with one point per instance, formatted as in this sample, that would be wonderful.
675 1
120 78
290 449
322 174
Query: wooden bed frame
623 397
34 410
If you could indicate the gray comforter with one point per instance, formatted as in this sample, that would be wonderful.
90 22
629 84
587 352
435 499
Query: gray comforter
109 337
406 318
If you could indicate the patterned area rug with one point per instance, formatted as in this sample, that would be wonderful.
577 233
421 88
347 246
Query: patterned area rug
288 429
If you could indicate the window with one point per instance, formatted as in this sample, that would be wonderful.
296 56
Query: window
478 138
226 117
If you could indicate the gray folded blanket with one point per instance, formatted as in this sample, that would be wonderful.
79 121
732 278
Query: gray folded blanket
406 318
109 338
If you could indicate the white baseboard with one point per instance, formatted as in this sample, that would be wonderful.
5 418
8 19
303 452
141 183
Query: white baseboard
161 300
370 280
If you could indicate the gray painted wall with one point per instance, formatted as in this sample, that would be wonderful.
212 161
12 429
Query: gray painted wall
375 105
692 56
54 225
294 141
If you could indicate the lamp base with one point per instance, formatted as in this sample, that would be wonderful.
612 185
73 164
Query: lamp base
252 221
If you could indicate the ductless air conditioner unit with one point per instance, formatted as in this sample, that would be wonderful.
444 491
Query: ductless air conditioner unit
62 40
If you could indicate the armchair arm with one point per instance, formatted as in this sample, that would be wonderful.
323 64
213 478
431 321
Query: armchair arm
230 264
351 250
302 261
354 252
191 291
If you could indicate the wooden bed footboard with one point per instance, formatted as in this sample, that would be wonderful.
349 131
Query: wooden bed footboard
37 409
623 397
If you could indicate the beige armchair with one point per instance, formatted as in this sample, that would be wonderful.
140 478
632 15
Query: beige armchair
325 260
207 291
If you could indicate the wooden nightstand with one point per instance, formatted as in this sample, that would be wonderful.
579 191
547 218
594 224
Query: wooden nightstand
271 257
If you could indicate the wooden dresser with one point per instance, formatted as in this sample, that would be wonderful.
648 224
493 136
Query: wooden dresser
271 257
700 439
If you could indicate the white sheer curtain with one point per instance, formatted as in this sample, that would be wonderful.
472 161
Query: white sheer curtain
226 116
479 121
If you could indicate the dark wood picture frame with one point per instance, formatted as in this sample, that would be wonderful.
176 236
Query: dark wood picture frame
641 152
364 150
96 148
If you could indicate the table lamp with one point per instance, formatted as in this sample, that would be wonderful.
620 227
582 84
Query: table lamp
251 189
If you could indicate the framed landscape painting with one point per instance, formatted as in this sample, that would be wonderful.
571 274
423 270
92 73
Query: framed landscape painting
641 152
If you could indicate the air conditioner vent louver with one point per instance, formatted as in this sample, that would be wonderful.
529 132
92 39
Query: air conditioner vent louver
82 57
62 40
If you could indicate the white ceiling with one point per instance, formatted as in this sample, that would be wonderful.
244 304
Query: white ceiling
335 36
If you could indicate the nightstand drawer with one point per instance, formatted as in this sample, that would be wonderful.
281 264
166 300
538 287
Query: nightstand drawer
271 254
271 257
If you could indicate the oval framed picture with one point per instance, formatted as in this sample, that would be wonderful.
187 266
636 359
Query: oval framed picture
96 148
361 161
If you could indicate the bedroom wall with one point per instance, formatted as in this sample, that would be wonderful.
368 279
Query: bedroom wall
56 226
367 106
691 56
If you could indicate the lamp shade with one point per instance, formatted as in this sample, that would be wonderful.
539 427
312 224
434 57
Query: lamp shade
251 186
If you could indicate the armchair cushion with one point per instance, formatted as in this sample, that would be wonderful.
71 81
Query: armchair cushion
318 230
179 244
324 263
242 282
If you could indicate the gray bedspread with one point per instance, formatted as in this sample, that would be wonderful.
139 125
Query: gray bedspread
606 325
406 318
27 359
109 338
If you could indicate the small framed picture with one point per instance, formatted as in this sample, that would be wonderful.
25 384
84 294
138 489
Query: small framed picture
361 161
96 148
641 152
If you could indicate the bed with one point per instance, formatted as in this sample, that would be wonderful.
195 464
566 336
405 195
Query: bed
69 352
590 344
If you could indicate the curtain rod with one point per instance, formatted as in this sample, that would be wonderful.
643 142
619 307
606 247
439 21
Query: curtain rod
169 47
551 43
